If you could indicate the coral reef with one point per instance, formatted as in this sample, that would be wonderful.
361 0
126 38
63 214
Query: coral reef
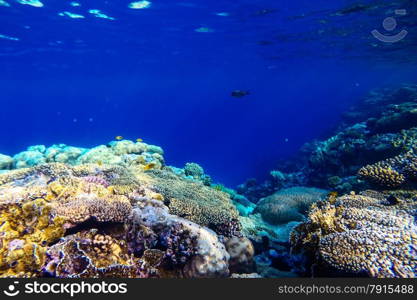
241 254
210 258
380 126
6 162
102 213
193 200
195 171
392 172
254 191
385 127
288 204
372 152
345 206
284 209
367 234
115 153
26 231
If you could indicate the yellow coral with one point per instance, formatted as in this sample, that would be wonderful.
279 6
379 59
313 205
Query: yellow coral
24 239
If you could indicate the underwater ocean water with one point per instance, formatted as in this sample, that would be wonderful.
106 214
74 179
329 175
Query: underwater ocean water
82 73
229 88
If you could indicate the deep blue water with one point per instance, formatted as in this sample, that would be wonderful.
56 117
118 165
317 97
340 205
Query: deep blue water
152 74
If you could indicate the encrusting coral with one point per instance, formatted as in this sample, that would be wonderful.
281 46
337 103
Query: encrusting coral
372 234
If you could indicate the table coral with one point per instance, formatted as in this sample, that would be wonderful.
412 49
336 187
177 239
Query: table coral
364 234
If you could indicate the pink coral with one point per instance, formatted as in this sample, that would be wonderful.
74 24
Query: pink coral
96 180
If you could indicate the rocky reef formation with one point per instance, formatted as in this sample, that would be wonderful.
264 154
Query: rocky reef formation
115 211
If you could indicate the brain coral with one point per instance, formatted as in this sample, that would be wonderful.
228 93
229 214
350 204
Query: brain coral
366 234
392 172
288 204
196 202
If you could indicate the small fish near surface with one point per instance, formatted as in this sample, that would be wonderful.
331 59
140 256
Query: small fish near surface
239 93
118 138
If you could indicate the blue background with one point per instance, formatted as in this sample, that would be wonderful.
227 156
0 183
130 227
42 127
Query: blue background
148 74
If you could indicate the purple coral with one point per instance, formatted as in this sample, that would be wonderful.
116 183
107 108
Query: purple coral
96 180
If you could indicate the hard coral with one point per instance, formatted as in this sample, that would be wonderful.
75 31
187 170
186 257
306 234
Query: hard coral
90 254
210 257
6 162
197 202
288 204
241 253
24 239
101 220
113 208
362 235
392 172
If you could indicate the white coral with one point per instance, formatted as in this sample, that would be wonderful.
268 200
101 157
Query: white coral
211 258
